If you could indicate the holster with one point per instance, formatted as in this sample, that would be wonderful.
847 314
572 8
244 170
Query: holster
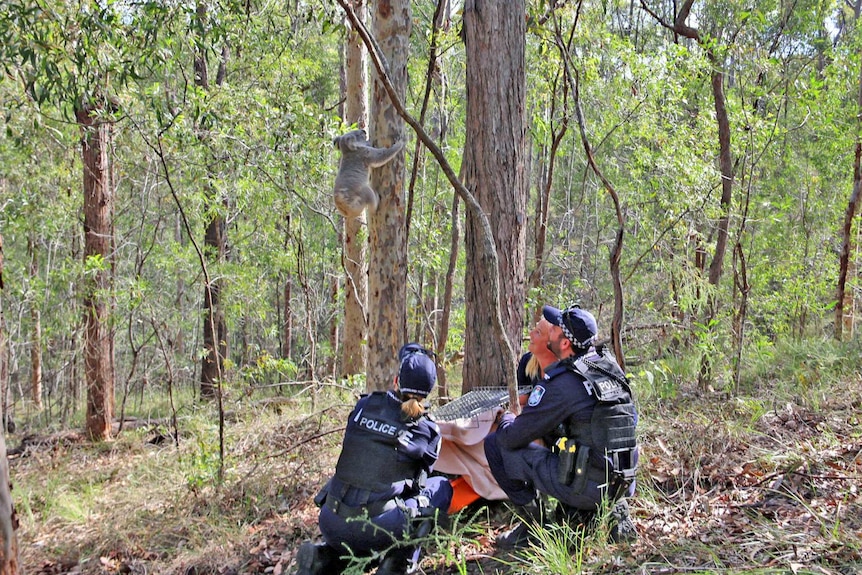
566 469
320 498
582 465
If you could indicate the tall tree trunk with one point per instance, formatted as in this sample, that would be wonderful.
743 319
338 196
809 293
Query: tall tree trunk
387 270
179 337
287 315
98 256
214 326
494 171
543 189
287 321
8 516
740 280
725 164
215 247
355 245
35 330
4 359
844 299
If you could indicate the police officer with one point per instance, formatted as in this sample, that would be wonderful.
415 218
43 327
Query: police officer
381 495
572 441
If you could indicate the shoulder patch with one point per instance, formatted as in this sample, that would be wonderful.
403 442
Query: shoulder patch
536 396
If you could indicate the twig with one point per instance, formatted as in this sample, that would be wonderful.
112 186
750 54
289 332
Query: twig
306 440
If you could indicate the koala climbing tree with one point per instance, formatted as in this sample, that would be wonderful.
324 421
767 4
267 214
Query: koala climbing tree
353 193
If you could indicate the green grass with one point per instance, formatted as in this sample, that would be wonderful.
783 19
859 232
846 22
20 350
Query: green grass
754 482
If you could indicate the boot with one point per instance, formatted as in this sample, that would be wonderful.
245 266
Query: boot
397 562
531 517
575 518
622 528
317 559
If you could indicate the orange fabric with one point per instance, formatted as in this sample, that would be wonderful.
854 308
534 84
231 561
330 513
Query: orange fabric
462 495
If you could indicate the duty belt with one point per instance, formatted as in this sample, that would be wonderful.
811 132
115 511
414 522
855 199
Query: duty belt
372 509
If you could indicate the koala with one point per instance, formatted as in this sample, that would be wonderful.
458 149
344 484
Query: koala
353 193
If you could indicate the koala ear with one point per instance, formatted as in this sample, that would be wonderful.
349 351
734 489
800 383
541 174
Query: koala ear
335 141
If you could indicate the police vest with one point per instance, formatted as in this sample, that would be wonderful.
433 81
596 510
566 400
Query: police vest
610 432
369 458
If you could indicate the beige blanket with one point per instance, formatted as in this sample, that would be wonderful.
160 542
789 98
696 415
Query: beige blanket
462 452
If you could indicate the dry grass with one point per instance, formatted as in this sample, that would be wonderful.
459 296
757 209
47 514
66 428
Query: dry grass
727 485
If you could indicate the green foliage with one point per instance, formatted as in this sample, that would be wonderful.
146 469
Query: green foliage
256 150
809 365
661 380
269 370
202 466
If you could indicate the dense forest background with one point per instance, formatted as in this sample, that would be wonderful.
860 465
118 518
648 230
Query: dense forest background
693 177
254 153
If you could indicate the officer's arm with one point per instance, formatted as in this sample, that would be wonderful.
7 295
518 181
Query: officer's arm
421 441
534 422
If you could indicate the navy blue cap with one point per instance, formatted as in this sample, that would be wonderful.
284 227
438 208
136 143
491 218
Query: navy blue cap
417 374
579 326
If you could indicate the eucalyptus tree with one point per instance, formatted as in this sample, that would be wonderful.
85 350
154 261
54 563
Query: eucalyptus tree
76 57
387 268
355 239
848 268
215 337
8 520
434 228
495 171
9 563
679 23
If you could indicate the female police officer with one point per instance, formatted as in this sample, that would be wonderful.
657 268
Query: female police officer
381 495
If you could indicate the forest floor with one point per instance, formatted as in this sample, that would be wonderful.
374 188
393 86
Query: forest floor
726 485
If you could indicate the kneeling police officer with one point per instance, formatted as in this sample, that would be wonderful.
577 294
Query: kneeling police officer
583 413
381 496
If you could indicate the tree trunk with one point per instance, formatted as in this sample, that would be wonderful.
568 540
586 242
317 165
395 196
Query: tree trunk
8 517
543 190
215 248
214 326
4 360
725 164
287 321
740 280
35 332
355 252
494 170
98 254
844 300
387 270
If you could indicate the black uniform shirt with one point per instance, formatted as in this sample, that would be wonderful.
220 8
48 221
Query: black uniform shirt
560 396
420 442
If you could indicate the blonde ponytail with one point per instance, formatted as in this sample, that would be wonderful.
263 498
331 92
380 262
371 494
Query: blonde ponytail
412 407
534 368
